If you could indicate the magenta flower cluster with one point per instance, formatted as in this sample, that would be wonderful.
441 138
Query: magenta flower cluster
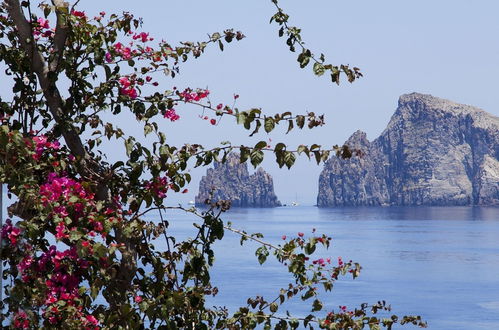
65 269
188 95
158 186
57 187
171 114
127 87
10 233
42 144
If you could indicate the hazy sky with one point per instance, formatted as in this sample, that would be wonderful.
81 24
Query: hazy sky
447 48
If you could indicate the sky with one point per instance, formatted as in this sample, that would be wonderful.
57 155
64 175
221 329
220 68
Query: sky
447 48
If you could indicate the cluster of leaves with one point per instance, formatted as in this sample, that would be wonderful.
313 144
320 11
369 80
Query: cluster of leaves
105 270
320 67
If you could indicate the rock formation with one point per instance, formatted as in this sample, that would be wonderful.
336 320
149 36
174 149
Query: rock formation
433 152
231 181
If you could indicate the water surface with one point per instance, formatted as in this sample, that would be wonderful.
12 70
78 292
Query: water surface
438 262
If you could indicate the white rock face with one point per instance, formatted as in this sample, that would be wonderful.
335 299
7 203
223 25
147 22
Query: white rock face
433 152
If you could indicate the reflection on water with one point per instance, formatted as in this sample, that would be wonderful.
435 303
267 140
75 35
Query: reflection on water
438 262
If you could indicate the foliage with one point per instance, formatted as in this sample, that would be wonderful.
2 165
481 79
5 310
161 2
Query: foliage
104 270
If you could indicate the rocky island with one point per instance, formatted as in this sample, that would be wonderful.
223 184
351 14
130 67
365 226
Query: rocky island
232 181
433 152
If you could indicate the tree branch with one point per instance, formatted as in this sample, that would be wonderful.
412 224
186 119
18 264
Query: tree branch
61 32
40 68
47 79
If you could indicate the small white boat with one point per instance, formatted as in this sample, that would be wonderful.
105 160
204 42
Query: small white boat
191 203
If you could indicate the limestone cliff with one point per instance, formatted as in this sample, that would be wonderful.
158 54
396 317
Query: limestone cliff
433 152
231 181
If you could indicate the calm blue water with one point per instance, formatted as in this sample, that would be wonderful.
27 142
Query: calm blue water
438 262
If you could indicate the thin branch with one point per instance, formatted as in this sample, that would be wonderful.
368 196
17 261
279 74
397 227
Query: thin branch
242 233
61 33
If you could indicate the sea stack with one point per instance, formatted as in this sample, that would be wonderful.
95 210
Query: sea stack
433 152
232 181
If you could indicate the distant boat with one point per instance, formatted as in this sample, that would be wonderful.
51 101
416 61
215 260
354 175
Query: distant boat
295 202
191 203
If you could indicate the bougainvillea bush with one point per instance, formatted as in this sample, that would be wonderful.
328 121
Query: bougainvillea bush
77 250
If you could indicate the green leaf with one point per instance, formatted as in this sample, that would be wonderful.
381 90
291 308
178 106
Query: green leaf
317 155
147 129
279 146
46 11
273 307
314 147
319 69
302 148
300 121
262 253
309 248
257 128
289 159
317 305
335 75
309 294
108 72
290 126
269 124
261 145
279 154
256 158
128 146
241 117
245 153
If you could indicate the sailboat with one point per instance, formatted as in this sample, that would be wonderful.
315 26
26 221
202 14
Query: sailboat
295 202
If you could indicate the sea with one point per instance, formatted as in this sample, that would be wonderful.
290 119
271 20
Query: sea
441 263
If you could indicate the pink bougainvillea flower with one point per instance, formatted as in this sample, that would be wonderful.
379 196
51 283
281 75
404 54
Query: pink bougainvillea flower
188 95
98 226
159 186
130 92
61 231
171 114
80 14
124 82
138 299
21 320
144 37
109 57
25 263
43 23
10 232
92 320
